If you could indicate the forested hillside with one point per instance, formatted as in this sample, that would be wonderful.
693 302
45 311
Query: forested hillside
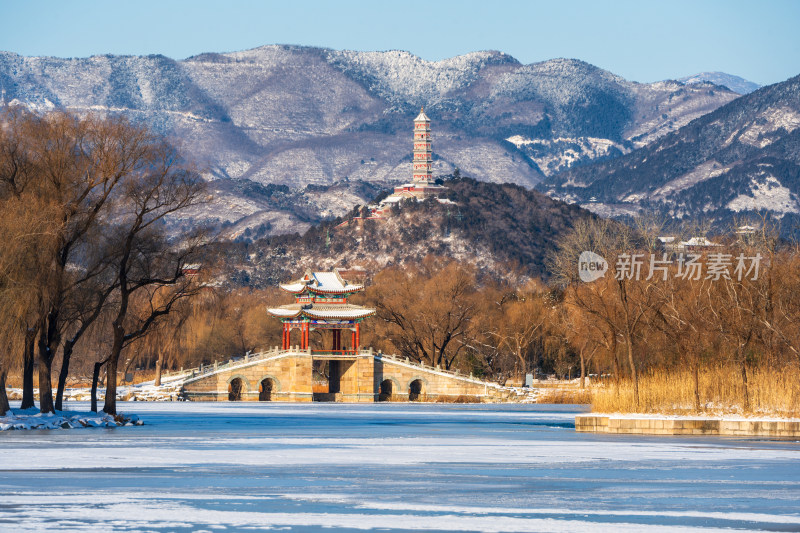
497 227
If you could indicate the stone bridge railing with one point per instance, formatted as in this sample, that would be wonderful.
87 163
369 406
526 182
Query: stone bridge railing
248 359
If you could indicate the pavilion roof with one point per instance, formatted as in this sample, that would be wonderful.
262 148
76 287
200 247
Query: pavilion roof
322 282
321 311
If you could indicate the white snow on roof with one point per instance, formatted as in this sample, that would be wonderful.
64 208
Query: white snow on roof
293 287
329 281
341 312
314 310
699 241
281 312
322 282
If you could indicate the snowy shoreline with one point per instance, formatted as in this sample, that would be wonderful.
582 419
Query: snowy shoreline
719 418
33 419
652 424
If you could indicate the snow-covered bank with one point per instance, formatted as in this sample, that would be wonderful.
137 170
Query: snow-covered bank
650 424
168 391
33 419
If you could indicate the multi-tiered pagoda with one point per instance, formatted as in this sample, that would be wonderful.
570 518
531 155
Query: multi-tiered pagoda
423 155
422 183
321 304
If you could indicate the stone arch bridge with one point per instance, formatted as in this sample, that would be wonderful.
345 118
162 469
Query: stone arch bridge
293 375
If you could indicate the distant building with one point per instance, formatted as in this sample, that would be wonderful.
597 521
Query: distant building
695 244
746 230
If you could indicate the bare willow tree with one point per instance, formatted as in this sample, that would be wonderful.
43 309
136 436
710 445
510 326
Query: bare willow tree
79 162
26 233
429 307
84 202
523 317
621 299
149 264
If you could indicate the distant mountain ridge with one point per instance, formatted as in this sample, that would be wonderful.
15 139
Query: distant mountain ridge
736 84
299 116
742 157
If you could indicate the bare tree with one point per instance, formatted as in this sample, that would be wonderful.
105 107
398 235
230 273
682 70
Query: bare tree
79 163
429 308
149 265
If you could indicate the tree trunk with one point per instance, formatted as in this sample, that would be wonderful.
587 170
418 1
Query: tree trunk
28 364
157 381
4 406
745 392
95 379
632 364
45 386
62 374
49 340
617 366
583 369
696 364
110 406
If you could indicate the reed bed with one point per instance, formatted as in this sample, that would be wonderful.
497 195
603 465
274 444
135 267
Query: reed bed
773 392
565 396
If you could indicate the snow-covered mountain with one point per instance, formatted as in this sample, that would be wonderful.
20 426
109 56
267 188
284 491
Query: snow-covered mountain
742 157
299 116
736 84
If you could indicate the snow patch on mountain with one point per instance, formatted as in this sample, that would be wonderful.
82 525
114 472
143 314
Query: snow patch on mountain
555 155
771 121
402 77
767 194
560 81
702 172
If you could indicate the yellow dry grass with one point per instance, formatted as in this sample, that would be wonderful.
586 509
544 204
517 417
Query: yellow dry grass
771 393
570 396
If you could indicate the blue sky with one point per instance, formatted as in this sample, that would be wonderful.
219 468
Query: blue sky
642 40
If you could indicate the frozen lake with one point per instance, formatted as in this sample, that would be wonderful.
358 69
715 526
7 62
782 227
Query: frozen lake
387 467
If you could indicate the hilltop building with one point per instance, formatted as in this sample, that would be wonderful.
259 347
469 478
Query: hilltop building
422 183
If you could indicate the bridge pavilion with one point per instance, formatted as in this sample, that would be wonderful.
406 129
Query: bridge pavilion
321 304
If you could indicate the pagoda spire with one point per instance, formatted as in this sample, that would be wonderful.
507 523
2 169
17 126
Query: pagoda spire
423 156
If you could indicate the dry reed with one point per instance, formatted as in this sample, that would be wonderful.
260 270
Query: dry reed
568 396
771 393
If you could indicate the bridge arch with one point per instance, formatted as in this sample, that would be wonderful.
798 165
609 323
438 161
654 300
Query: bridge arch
387 388
417 389
268 385
238 387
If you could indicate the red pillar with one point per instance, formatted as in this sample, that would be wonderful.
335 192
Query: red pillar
284 342
358 337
